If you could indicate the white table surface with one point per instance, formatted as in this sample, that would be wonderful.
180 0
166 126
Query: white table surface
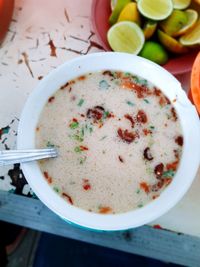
26 55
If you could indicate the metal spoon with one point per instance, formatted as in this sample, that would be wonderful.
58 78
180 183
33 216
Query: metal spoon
19 156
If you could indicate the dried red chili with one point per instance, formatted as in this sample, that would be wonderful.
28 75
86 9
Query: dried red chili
141 116
179 140
68 198
147 154
95 113
130 118
126 136
158 170
144 186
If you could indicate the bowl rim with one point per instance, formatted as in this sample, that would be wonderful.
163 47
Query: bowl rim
172 89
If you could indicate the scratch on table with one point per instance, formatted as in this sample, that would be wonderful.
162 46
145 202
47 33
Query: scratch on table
79 39
91 34
93 44
26 61
66 15
72 50
52 48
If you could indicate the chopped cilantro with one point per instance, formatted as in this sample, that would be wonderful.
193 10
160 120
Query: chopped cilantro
106 114
77 149
82 160
78 138
103 85
56 189
49 144
130 103
138 191
146 101
168 173
152 127
140 205
74 125
80 103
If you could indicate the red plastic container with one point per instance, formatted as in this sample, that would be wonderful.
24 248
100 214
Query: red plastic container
6 11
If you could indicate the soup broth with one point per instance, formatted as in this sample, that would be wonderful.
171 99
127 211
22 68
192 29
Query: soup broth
119 141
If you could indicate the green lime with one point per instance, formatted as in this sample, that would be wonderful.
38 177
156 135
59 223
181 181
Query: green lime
120 4
155 9
154 52
126 36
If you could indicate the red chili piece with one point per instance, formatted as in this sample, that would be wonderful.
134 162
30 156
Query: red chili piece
84 148
179 140
146 131
157 92
172 166
130 118
174 115
126 136
141 116
145 187
147 154
68 198
158 170
95 113
47 177
156 187
86 184
157 226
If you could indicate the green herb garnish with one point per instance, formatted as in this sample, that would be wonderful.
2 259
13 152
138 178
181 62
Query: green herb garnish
74 125
168 173
105 114
49 144
103 85
140 205
80 103
146 101
130 103
138 191
82 160
77 149
56 189
152 127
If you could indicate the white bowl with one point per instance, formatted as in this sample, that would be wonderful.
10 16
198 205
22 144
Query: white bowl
127 63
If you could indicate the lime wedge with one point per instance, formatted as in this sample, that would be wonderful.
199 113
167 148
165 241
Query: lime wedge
181 4
126 36
193 37
171 44
130 13
192 16
154 52
120 4
177 20
149 28
155 9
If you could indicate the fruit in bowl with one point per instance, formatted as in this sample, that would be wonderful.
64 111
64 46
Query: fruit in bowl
157 30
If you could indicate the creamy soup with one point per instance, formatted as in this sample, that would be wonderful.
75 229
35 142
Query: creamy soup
119 141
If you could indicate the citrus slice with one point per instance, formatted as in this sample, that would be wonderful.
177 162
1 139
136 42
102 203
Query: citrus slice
149 28
171 43
195 82
130 13
155 9
113 4
192 16
192 38
126 36
154 52
176 21
120 4
181 4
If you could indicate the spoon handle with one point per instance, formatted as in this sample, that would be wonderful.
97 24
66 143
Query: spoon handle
19 156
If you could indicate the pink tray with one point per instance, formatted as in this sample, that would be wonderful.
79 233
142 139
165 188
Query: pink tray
100 14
